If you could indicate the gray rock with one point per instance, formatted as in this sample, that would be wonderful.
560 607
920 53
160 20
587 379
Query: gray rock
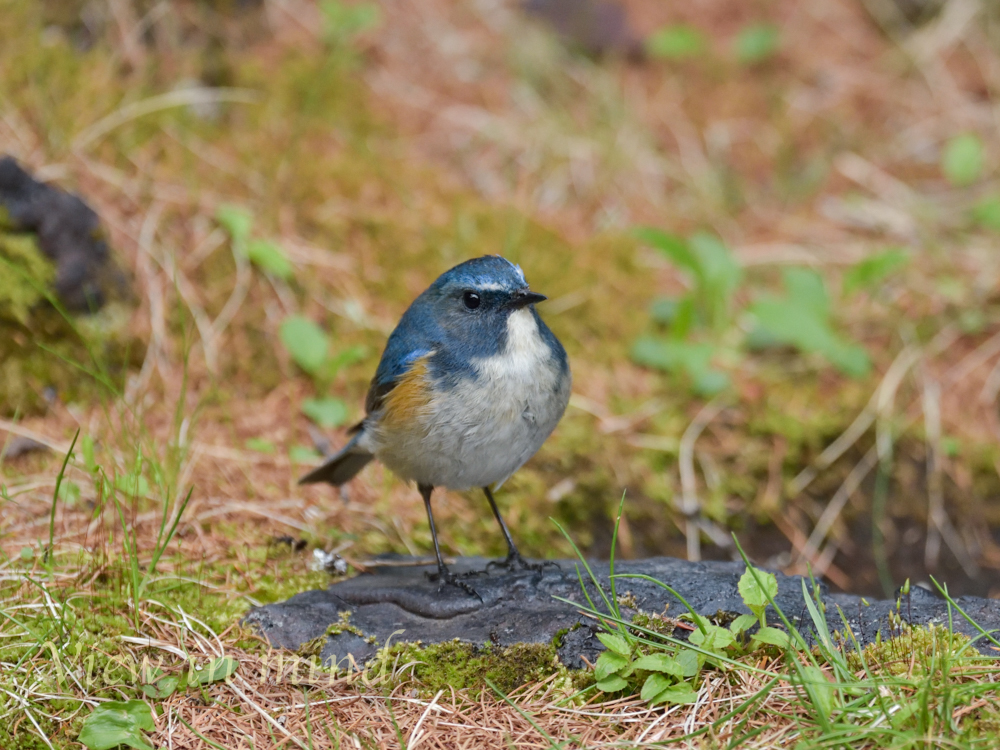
397 601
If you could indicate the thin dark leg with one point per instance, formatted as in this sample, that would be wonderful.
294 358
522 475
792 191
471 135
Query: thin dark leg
443 574
514 560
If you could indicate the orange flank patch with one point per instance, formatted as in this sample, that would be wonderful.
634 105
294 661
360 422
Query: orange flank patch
409 400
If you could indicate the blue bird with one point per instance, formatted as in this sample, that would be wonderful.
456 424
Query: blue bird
469 386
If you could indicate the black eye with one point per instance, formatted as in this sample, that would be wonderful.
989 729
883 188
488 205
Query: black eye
471 300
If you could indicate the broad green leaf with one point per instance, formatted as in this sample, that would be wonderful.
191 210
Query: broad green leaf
711 382
306 342
987 213
345 358
654 685
215 671
673 248
671 355
677 695
117 723
690 661
805 289
162 688
608 663
720 277
659 663
962 159
268 256
713 639
753 595
771 636
663 310
326 412
236 220
612 684
616 643
756 43
676 42
132 485
260 445
871 271
741 623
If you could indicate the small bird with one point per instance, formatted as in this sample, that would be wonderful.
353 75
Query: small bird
469 386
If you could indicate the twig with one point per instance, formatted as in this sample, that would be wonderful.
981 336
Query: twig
690 506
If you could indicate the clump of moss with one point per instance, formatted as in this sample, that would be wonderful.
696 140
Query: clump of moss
916 651
459 665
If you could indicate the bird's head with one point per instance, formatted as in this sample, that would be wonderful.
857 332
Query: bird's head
474 301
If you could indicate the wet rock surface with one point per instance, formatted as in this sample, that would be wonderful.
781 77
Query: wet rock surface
397 600
68 232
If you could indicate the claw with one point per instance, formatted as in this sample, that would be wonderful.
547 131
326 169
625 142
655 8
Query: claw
514 562
447 578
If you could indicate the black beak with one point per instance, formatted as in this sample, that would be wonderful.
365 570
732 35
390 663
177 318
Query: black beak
525 298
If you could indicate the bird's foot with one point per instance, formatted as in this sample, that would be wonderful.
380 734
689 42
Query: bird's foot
514 562
447 578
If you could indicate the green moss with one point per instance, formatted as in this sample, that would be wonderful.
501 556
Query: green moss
918 651
459 665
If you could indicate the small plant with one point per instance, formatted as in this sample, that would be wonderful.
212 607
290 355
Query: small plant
801 318
676 42
118 723
310 349
343 22
706 331
756 43
962 159
265 254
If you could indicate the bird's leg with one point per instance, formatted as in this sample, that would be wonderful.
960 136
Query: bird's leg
514 561
444 575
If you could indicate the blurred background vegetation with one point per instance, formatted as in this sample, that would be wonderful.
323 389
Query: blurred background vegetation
768 231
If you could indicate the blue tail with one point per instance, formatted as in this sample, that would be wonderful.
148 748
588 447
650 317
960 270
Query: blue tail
342 466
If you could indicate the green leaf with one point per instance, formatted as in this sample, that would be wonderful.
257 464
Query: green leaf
302 454
345 358
756 43
713 639
711 382
800 319
771 636
215 671
236 220
653 686
162 688
871 271
663 310
987 213
690 661
673 248
671 355
962 159
676 42
719 279
741 623
269 257
132 485
117 723
659 663
342 21
608 663
326 412
306 342
818 687
752 593
260 445
677 695
616 643
612 684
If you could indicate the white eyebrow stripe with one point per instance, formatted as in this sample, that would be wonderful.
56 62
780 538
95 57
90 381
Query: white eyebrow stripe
491 286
